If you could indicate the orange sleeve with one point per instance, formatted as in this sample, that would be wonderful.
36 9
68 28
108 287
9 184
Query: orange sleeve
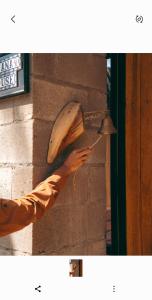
18 213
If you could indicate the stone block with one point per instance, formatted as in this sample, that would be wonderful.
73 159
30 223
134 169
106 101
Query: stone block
42 64
16 142
96 184
75 191
95 221
5 252
61 227
6 111
49 98
12 252
85 248
16 109
5 182
97 248
97 101
52 232
18 243
23 107
22 181
85 70
80 249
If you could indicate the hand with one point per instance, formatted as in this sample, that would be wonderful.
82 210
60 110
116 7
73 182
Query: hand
76 159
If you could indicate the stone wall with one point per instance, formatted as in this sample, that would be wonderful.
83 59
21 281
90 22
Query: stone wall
76 223
16 163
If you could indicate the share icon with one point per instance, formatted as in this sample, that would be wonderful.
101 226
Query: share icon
38 288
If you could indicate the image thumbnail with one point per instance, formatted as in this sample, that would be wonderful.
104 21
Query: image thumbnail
75 268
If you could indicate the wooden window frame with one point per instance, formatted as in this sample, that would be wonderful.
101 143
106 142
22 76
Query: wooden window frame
118 180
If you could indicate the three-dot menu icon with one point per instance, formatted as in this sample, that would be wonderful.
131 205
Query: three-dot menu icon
114 288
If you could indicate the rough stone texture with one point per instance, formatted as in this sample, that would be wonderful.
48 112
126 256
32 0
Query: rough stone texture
4 251
88 248
16 142
16 170
43 65
18 243
86 70
6 112
48 104
96 179
24 111
21 181
95 221
5 182
76 223
96 248
82 69
96 101
12 110
67 225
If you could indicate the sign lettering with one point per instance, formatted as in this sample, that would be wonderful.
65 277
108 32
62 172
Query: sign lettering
13 74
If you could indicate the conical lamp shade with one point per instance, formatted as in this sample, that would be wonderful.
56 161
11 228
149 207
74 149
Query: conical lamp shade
107 126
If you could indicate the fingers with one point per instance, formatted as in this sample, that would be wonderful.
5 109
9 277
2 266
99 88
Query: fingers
84 149
77 158
83 159
84 152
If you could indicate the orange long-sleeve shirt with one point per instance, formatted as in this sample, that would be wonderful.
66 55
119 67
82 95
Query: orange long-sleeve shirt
18 213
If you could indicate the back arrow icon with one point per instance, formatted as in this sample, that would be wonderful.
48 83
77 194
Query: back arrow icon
38 288
12 19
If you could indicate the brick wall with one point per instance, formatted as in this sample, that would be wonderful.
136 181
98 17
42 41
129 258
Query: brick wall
76 223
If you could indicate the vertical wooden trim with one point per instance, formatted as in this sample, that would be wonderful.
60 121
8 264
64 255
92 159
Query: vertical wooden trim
146 153
133 154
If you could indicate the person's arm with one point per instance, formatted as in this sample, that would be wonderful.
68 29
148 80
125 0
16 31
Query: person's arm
18 213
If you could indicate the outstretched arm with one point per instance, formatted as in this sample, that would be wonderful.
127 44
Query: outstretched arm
18 213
